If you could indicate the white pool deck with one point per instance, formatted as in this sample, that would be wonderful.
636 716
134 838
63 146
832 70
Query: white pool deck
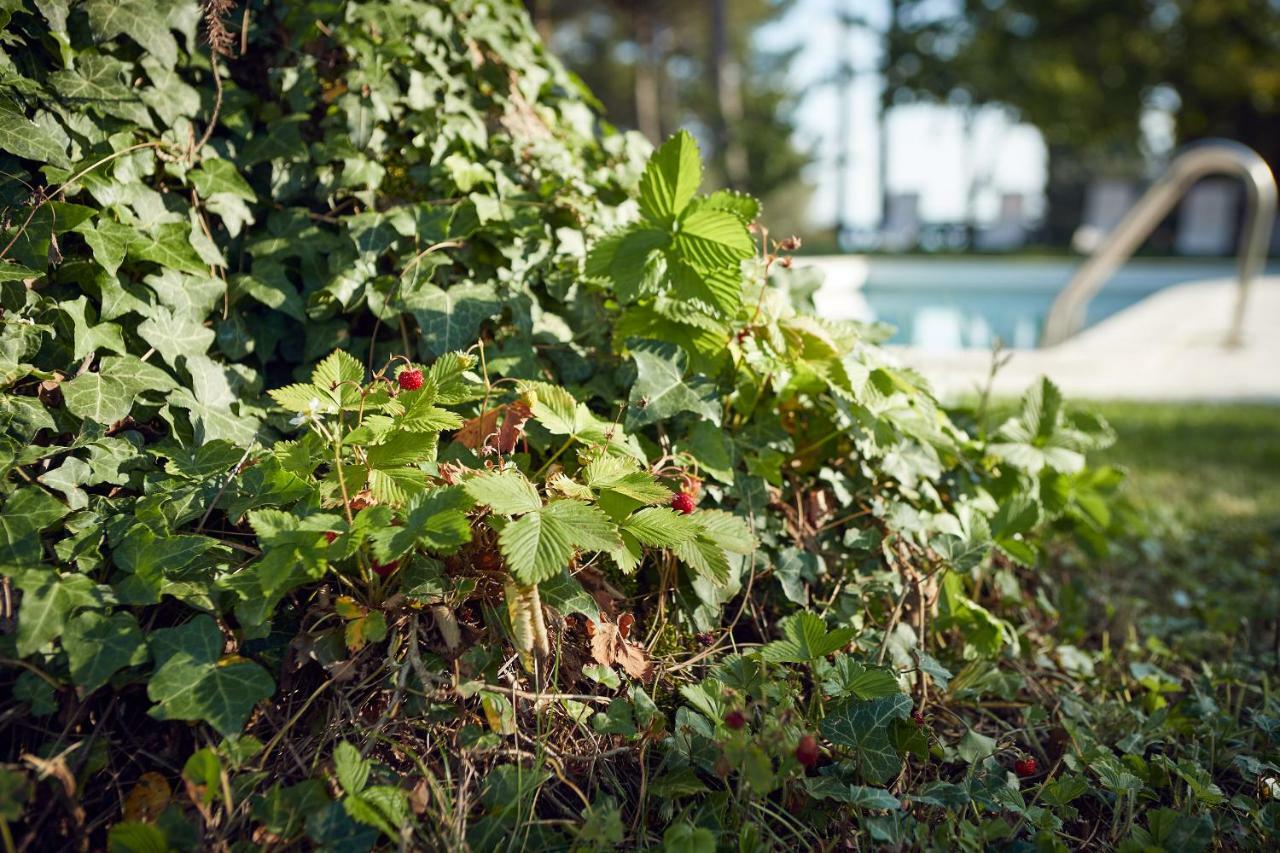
1168 347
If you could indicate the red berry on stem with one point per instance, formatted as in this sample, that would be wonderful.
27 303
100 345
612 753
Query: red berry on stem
1025 767
735 719
917 716
807 750
682 503
329 536
410 380
382 570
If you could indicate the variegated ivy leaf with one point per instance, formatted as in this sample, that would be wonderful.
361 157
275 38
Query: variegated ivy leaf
661 391
108 395
193 681
862 726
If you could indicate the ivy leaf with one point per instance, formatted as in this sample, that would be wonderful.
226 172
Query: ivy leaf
220 176
832 788
168 244
140 20
27 512
863 726
22 137
193 682
97 82
109 241
88 338
661 392
805 638
108 395
173 336
671 178
48 600
98 645
450 319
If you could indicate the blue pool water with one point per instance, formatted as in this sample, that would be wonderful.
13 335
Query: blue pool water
952 304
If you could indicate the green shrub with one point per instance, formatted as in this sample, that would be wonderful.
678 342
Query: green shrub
498 345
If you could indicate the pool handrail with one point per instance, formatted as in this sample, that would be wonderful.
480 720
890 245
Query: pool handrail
1198 160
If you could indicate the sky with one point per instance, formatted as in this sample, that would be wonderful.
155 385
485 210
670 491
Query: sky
928 149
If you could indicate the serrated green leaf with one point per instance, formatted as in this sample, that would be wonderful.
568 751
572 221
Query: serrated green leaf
506 492
671 178
805 638
535 548
661 527
435 520
711 239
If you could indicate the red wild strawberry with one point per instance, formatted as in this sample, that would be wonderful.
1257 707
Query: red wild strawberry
329 536
383 570
735 719
917 717
682 503
807 750
410 380
1025 767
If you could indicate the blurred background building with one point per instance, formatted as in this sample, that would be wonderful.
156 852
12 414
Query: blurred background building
941 125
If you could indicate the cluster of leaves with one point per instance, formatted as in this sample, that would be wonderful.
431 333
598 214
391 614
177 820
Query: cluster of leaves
341 568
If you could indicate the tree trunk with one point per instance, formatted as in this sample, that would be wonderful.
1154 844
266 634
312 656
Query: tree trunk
727 112
648 115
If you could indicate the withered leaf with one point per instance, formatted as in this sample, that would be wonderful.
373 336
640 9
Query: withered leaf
609 646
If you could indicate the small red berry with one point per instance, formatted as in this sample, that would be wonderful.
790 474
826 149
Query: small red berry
1025 767
383 570
735 719
917 716
807 750
410 380
329 536
682 503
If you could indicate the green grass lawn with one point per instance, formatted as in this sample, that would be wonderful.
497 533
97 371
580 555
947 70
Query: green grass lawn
1206 465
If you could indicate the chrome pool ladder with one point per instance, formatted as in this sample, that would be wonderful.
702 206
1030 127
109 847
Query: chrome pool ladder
1217 156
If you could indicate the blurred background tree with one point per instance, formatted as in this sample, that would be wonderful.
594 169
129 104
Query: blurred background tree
660 65
1084 72
1087 74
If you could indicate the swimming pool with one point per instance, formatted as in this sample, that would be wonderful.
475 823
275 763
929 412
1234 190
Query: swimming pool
947 304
